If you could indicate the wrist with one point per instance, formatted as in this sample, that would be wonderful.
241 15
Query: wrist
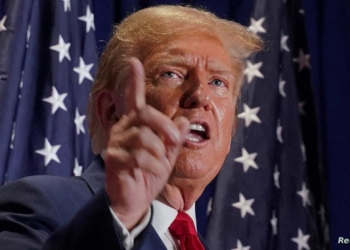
130 219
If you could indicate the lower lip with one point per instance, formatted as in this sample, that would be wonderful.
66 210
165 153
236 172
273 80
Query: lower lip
195 144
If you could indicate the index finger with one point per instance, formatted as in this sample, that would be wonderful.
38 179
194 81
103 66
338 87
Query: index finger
135 87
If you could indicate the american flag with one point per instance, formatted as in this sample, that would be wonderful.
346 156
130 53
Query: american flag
47 65
264 197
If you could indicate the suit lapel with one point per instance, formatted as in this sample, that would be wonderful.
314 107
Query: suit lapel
149 240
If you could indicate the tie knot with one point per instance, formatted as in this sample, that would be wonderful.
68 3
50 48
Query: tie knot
182 225
183 229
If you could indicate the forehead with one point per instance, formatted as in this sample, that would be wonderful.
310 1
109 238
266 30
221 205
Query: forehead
201 49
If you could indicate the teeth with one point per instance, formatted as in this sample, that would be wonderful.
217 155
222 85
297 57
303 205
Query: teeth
190 138
197 127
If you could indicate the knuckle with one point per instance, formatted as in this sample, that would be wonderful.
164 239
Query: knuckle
143 135
112 142
138 157
134 131
114 129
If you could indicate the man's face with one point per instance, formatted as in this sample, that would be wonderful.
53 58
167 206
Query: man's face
193 76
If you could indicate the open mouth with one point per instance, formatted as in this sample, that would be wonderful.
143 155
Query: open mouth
199 132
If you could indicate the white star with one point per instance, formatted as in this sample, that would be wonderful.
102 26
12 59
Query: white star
301 240
84 70
273 222
276 178
302 60
77 169
2 24
256 26
252 71
210 206
13 134
89 19
49 152
66 5
301 11
279 131
284 45
304 193
79 120
247 160
240 246
56 100
249 115
62 48
301 108
281 85
244 205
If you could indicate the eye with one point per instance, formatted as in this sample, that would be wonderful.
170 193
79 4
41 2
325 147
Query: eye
218 82
170 74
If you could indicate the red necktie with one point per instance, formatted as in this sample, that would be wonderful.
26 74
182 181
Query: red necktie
183 229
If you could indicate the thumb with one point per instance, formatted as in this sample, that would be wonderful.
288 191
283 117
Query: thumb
173 150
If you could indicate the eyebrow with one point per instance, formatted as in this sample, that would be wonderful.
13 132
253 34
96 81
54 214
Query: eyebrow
176 57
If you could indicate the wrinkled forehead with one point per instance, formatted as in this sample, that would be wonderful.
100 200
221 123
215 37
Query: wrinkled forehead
203 49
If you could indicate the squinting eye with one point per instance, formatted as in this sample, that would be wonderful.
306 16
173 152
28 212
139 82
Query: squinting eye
218 82
169 74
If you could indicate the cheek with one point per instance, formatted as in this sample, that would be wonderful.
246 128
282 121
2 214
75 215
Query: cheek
226 115
162 99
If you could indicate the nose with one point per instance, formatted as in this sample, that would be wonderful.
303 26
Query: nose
197 95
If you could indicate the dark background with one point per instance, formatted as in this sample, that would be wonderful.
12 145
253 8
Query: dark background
328 33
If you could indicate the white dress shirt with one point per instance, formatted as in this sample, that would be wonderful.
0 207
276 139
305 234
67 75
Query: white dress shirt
163 216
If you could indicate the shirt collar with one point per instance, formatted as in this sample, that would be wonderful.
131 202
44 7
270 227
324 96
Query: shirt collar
164 215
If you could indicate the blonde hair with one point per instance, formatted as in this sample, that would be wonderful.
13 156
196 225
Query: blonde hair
154 26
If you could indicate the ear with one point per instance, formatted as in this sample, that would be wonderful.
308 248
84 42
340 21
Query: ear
106 109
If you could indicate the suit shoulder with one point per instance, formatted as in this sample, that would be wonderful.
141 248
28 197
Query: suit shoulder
59 195
45 184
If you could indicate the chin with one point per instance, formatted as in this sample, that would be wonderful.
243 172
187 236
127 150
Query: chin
189 177
192 168
194 165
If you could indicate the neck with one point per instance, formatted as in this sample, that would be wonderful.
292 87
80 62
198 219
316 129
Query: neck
177 198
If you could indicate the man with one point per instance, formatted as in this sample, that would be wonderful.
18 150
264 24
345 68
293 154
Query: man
162 114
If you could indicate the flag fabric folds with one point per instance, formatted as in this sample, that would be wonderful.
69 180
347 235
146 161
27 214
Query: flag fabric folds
263 197
270 191
47 64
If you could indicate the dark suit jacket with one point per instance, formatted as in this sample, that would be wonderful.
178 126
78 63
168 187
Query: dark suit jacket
51 213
